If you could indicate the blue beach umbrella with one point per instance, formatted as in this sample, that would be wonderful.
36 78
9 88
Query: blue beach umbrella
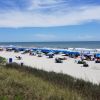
21 49
88 54
34 49
98 55
66 52
74 53
45 50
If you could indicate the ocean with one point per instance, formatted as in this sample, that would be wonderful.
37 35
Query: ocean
68 44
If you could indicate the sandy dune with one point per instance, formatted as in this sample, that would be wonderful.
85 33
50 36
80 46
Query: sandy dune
91 73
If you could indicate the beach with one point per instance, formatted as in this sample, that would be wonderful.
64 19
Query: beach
69 66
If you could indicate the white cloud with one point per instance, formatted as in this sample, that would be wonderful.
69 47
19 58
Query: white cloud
39 4
59 17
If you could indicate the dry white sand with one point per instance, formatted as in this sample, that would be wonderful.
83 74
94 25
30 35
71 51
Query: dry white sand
91 73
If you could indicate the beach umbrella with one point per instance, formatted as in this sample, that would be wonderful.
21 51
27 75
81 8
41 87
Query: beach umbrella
34 49
98 55
66 52
45 50
88 54
50 54
39 52
21 49
74 53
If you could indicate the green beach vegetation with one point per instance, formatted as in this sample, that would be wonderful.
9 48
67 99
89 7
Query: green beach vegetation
25 83
2 60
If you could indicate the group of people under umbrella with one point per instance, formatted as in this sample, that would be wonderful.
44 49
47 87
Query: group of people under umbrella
51 53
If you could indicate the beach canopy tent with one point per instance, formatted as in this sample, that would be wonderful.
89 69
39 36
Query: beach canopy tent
57 51
88 54
16 50
74 53
98 55
62 51
46 50
21 49
34 49
26 50
66 52
50 54
38 51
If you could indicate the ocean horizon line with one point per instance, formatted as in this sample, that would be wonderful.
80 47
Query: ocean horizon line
56 44
43 41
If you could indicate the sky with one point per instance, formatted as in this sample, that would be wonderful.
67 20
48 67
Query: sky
49 20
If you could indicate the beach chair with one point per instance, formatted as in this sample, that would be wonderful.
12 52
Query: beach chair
18 57
23 52
81 62
16 51
1 49
50 56
85 65
32 53
63 58
39 55
57 60
97 61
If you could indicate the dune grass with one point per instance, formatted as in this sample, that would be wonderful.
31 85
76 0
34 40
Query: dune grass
26 83
20 85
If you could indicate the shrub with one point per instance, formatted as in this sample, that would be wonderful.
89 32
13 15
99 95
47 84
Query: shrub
2 60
